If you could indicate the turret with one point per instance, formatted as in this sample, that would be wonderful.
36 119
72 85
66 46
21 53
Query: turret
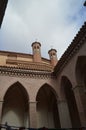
36 47
53 56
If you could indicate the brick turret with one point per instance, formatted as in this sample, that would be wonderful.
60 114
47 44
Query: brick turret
53 56
36 47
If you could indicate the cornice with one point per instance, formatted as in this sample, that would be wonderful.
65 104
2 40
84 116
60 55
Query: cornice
72 49
26 73
29 65
15 53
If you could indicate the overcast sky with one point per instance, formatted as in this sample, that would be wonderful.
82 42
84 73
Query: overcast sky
53 23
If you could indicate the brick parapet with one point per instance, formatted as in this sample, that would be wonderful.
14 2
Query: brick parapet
29 65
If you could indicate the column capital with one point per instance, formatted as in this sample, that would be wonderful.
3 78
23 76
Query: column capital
78 87
61 101
32 102
1 101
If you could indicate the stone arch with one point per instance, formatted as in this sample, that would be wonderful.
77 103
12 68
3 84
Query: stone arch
47 110
81 79
51 88
80 70
68 95
15 107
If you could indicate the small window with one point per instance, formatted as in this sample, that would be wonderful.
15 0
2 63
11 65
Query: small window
37 47
53 54
34 47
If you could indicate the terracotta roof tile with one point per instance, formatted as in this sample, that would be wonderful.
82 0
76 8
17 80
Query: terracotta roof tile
71 50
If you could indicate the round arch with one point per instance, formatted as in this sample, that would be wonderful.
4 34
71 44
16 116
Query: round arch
15 107
47 110
68 94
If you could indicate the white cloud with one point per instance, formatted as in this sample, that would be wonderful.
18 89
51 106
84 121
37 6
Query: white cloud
52 22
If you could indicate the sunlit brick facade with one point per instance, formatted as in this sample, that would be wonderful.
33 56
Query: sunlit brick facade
37 92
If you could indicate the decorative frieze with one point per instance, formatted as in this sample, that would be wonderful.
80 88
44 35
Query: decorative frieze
29 65
79 88
14 71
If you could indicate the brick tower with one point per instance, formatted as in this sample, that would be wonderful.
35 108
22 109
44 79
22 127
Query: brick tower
53 56
36 47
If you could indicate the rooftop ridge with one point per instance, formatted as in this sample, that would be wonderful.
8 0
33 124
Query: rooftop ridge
72 49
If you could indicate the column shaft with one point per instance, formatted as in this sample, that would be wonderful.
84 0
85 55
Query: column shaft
1 105
33 114
78 90
64 116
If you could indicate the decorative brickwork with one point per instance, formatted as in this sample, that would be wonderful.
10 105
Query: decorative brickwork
39 92
22 72
30 65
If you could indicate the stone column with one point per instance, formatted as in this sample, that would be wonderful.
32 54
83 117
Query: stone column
78 91
1 105
33 114
64 116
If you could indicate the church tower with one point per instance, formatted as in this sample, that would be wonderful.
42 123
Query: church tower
36 47
53 56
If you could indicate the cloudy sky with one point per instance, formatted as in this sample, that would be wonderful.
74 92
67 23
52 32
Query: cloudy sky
53 23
